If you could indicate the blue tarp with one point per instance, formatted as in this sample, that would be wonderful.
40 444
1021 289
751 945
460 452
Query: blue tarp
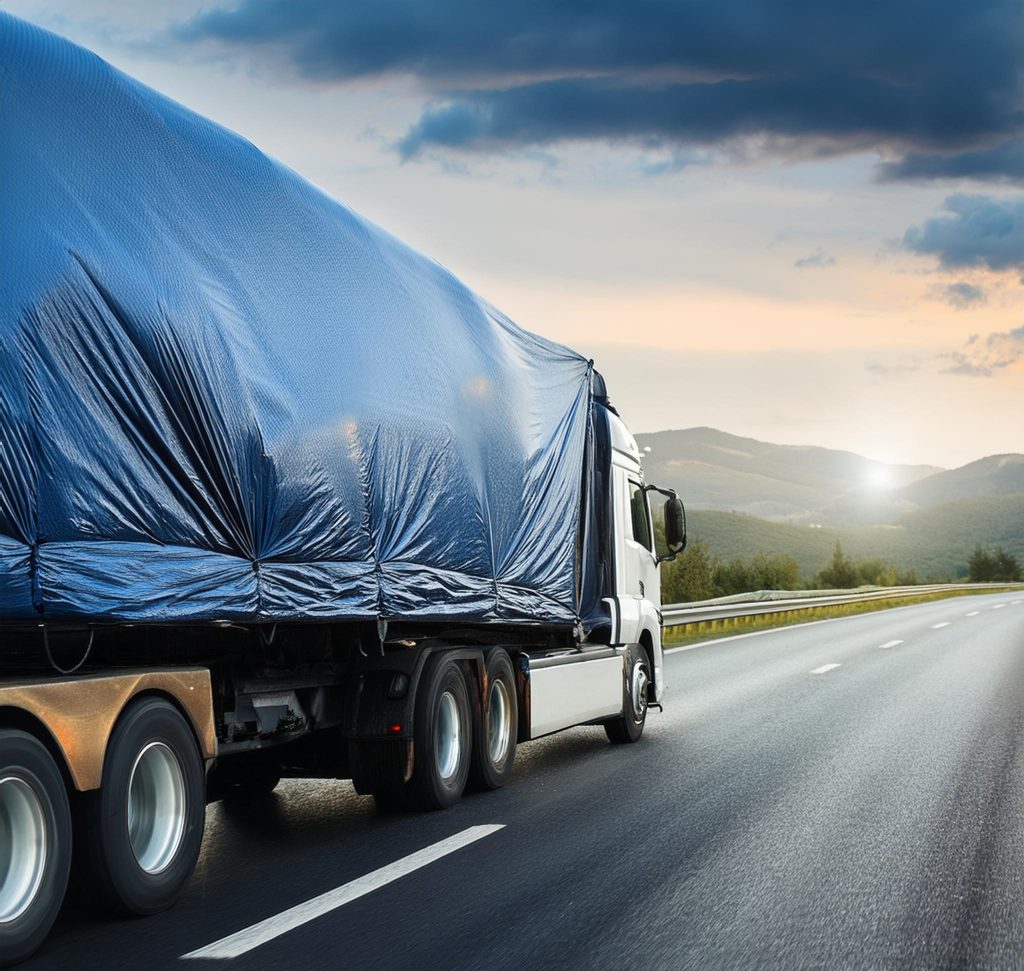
226 396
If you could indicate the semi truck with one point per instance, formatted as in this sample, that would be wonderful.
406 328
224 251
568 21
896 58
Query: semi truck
279 497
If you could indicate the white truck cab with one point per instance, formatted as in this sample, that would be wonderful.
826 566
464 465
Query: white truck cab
636 603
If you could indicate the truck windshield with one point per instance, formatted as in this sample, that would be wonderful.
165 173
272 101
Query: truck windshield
641 515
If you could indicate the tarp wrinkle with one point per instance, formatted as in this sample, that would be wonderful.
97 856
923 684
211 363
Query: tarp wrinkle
226 396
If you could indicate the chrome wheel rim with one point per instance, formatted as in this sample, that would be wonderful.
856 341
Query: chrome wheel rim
449 737
23 846
156 807
639 691
498 721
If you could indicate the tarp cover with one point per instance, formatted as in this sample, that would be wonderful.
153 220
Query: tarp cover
224 395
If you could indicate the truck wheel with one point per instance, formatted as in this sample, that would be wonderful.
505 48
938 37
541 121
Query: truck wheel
143 828
630 726
35 844
494 739
442 736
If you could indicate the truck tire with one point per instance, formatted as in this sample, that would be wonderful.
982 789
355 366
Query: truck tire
142 829
35 844
443 736
494 737
630 725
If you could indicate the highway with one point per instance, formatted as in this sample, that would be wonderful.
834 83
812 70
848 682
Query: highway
848 793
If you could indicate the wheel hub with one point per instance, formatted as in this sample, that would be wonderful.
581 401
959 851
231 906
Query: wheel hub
449 737
639 691
23 846
498 722
156 807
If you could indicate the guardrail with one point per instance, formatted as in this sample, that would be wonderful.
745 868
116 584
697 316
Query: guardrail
780 601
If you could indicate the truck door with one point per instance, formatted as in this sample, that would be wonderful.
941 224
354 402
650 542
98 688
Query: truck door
647 575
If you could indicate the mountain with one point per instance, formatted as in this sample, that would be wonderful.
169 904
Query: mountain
996 475
712 469
744 496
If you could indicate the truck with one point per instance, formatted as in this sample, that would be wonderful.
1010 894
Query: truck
279 497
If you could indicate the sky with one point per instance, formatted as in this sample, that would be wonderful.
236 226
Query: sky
793 220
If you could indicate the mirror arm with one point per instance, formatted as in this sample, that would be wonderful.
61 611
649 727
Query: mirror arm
667 493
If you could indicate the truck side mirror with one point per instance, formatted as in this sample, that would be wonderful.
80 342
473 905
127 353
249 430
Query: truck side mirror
675 527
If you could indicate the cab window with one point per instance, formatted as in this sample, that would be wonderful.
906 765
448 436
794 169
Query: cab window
641 515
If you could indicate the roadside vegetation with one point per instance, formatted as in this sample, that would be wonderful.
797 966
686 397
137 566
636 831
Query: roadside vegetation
700 574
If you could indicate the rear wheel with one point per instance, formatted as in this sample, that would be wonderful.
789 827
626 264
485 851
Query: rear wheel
142 829
630 726
443 736
494 740
35 844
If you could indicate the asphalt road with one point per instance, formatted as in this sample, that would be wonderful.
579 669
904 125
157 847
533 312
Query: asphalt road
871 815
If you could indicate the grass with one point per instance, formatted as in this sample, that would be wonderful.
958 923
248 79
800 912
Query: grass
680 635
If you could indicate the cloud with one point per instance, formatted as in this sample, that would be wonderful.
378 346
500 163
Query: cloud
880 370
926 81
819 259
984 357
976 231
962 296
1003 162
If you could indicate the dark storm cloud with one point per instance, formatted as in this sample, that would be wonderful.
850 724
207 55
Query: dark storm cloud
1000 163
983 357
975 231
922 79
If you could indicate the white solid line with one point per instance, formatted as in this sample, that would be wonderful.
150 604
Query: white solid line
825 668
245 940
891 644
974 613
945 623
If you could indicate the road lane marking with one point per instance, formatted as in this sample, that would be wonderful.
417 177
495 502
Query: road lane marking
245 940
974 613
997 606
891 644
825 668
945 623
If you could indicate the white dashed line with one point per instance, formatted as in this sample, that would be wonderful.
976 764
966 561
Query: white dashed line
945 623
245 940
997 606
825 668
974 613
888 644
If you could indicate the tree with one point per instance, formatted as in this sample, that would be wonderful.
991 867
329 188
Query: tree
840 572
999 566
980 567
688 576
1007 565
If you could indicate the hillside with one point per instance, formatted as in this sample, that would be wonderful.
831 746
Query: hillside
794 483
933 542
813 486
996 475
